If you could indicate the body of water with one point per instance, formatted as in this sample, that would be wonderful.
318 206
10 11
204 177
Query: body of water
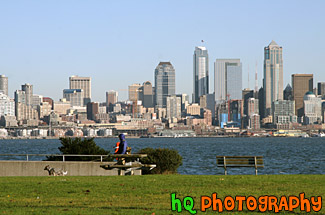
281 155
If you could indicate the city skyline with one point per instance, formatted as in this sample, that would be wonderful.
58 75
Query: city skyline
44 43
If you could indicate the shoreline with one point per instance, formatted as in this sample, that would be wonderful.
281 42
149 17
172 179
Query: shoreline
138 137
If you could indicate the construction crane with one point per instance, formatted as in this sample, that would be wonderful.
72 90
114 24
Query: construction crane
228 102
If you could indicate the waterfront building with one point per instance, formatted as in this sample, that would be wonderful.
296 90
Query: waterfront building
273 76
84 83
284 113
227 79
164 83
26 113
301 84
254 122
74 96
173 107
7 105
230 113
200 73
61 107
4 84
8 121
312 109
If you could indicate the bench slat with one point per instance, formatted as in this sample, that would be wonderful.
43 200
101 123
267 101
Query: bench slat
239 156
258 166
129 156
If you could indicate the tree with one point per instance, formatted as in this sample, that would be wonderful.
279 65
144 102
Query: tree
79 146
167 160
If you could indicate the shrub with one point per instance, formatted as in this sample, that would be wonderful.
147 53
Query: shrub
167 160
79 146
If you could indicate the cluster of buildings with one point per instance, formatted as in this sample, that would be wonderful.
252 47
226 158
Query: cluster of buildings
156 108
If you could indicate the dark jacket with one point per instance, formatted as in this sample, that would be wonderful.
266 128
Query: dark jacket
123 145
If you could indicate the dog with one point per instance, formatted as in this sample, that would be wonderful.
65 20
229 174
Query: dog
54 172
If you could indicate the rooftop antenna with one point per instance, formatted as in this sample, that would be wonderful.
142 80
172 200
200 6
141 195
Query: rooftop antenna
256 82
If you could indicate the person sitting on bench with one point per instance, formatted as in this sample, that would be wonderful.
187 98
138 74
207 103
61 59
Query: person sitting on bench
122 145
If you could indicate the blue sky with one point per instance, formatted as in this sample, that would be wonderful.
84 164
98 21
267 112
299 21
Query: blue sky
119 43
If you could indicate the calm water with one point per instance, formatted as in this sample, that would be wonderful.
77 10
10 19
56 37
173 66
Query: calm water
281 155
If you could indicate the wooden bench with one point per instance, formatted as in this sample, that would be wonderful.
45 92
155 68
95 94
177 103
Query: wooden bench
240 161
128 163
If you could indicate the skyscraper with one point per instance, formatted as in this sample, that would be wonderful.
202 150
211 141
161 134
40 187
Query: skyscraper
4 84
227 79
146 94
321 89
74 96
301 84
28 89
173 107
273 76
164 83
111 98
84 83
200 73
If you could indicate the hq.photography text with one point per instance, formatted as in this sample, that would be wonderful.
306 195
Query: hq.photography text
265 203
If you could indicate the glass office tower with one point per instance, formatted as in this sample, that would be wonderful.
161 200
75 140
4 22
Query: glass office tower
164 83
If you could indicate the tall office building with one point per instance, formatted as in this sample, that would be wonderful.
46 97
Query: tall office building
7 105
301 84
111 98
74 96
146 94
312 108
246 94
173 107
28 89
200 73
284 112
92 110
84 83
227 79
321 89
252 107
273 76
164 83
4 84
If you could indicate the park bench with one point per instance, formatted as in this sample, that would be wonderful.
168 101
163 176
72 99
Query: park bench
240 161
127 163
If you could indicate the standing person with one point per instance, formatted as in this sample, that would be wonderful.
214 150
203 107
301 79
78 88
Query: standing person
122 146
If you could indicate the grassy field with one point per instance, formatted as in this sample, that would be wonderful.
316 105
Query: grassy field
143 194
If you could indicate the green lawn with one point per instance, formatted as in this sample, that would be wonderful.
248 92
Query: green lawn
142 194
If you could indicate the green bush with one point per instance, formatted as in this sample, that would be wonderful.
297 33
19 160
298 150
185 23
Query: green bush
167 160
79 146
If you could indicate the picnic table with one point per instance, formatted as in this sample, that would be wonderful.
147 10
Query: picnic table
127 163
